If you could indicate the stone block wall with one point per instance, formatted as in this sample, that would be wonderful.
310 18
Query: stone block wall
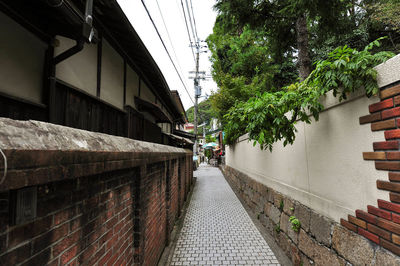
101 200
319 241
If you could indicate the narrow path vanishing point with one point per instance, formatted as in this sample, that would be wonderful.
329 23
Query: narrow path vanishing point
217 229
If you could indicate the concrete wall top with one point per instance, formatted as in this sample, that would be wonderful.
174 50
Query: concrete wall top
39 152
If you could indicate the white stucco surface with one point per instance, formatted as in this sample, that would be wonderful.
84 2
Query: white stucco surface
388 72
324 168
79 70
22 57
112 76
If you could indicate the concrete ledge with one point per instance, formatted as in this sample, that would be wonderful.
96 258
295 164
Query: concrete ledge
39 152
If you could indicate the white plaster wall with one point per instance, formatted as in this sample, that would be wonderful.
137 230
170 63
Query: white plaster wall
112 76
22 57
79 70
132 86
324 168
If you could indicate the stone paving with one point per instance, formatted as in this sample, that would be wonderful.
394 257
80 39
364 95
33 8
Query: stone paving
217 229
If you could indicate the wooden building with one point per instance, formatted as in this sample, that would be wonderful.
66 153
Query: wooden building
60 66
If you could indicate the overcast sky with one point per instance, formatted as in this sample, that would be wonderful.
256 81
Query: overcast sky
172 13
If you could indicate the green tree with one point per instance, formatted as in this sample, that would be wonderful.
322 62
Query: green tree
205 113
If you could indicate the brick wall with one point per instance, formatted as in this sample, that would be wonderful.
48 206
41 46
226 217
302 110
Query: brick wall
319 241
381 223
95 207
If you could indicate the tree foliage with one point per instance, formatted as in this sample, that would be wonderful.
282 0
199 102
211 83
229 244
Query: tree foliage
260 51
271 116
205 113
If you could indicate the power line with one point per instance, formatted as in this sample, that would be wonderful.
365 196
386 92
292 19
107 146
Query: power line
191 23
162 41
169 38
187 29
194 20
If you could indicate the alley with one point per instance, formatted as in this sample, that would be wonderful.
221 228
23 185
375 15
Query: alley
217 229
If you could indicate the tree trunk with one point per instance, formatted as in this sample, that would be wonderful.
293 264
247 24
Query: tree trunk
304 61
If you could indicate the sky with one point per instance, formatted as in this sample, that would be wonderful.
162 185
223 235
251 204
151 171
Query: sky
180 51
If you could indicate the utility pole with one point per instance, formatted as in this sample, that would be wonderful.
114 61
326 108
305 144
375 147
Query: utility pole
197 94
197 90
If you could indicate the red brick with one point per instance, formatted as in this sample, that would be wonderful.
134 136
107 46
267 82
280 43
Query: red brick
394 176
388 225
390 186
394 197
378 212
16 256
348 225
393 155
390 246
370 118
389 205
393 91
392 134
397 100
381 105
369 235
366 216
69 255
105 258
391 113
396 218
357 222
66 243
387 165
386 145
379 231
381 125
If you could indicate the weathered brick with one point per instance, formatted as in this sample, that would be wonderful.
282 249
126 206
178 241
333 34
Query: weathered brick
387 165
357 222
390 246
392 134
394 197
379 212
388 225
366 217
380 105
395 239
393 91
391 113
386 145
396 218
374 155
369 235
370 118
348 225
393 155
394 176
379 231
284 222
387 124
390 186
389 205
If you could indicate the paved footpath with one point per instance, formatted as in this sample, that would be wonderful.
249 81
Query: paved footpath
217 229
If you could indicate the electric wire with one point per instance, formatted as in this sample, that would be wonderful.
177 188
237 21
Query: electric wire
162 41
194 20
169 38
5 167
187 29
191 23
